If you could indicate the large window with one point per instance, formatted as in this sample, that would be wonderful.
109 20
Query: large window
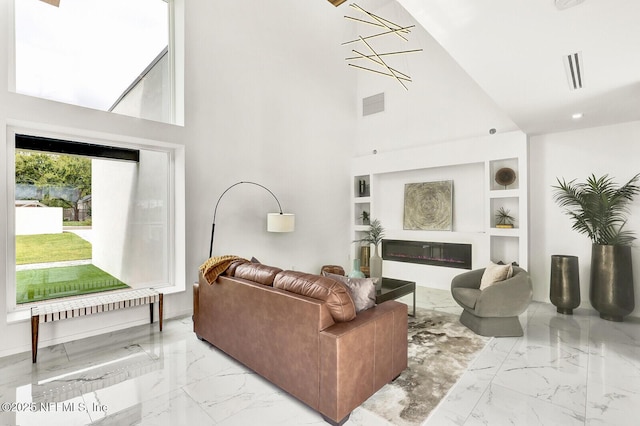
91 217
112 55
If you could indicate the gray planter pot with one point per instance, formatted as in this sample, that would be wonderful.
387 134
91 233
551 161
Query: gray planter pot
611 292
565 283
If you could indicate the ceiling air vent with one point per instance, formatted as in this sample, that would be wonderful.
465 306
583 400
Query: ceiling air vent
373 104
573 67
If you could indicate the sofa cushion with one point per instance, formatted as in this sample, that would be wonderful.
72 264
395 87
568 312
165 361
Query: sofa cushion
334 293
231 270
362 290
262 274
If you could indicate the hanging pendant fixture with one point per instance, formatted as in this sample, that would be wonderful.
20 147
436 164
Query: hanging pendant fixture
388 29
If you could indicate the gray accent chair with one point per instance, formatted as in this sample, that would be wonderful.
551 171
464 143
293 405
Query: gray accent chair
493 311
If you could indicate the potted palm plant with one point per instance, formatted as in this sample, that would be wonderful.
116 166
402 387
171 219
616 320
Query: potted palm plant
598 208
374 236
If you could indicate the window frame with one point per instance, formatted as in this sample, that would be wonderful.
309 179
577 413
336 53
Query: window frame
176 43
176 226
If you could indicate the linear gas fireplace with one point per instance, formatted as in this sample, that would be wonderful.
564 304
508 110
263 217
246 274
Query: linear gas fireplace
452 255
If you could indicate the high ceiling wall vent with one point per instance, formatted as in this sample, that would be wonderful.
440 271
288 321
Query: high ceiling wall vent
373 104
575 70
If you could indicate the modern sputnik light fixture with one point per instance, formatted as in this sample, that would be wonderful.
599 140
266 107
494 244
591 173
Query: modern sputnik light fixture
276 222
387 28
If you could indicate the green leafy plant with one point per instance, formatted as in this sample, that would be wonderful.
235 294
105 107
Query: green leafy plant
365 217
598 207
503 217
375 233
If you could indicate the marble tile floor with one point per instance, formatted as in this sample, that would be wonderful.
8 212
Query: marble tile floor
565 370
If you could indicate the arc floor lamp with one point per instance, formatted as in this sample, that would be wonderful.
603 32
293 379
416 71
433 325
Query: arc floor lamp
276 222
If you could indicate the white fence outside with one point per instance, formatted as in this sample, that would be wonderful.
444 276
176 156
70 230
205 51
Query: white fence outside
38 220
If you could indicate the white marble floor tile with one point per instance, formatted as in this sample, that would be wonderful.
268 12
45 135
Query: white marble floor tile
553 374
171 409
503 406
613 394
229 393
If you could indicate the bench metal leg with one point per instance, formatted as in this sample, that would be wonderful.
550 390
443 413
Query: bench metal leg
35 324
160 303
160 306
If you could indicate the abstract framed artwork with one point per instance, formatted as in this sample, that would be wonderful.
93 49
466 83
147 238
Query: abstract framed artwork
428 206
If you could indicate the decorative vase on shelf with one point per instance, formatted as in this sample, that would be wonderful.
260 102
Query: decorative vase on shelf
365 256
375 264
356 272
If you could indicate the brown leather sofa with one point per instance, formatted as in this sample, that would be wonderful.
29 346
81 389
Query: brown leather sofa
302 334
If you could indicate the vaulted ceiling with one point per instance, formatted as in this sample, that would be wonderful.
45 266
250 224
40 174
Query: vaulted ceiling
516 50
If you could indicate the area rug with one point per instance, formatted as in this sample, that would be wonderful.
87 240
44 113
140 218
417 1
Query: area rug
440 350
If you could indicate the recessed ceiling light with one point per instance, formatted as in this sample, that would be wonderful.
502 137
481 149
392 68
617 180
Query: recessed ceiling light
577 116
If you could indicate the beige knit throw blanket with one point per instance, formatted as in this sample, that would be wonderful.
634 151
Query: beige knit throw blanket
216 265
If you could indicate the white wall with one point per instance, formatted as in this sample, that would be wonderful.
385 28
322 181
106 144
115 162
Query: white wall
471 164
38 220
268 98
612 150
442 104
150 97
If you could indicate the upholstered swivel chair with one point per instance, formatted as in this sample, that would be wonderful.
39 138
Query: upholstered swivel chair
493 311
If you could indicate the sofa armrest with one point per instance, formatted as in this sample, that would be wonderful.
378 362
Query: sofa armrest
470 279
359 357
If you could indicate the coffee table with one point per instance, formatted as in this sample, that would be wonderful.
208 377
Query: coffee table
394 289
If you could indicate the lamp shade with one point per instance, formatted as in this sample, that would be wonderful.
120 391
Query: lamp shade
281 222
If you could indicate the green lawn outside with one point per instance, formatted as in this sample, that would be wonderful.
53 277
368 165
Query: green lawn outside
50 283
77 223
44 248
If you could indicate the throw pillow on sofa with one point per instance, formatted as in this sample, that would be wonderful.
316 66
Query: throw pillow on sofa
362 290
495 273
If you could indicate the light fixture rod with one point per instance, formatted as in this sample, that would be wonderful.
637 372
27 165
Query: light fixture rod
377 35
215 211
378 72
375 24
384 63
380 20
371 58
399 52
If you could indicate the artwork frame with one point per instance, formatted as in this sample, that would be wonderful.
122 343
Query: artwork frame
428 206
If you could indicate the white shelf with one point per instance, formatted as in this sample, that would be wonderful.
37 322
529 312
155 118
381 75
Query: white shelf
508 150
504 193
505 232
361 200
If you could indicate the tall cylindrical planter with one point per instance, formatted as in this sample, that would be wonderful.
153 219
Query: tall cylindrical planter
564 290
611 292
375 264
